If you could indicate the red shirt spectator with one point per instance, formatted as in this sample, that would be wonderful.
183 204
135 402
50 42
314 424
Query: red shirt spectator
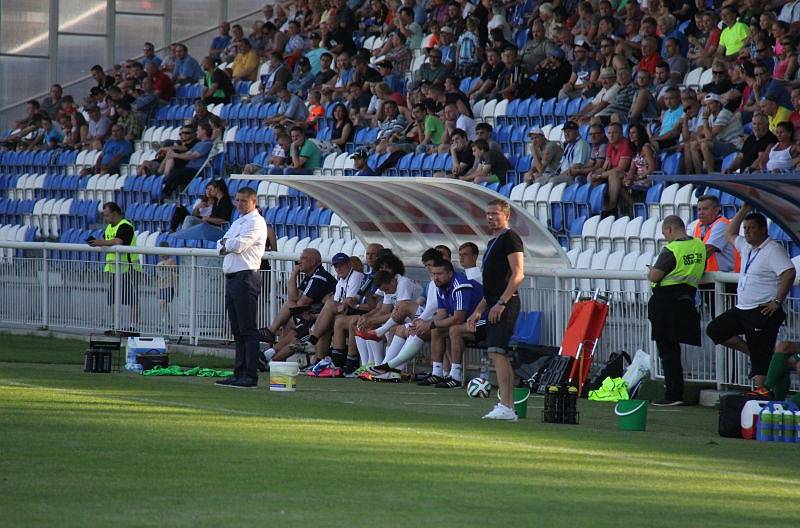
650 56
615 152
162 84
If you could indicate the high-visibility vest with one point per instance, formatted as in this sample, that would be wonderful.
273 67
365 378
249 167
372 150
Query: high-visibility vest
128 259
711 263
690 263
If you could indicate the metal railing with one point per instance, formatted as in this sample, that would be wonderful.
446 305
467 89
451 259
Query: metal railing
48 285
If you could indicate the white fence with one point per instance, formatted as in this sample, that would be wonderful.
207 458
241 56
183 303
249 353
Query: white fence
50 286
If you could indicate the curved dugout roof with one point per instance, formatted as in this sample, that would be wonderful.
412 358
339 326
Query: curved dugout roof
410 215
775 195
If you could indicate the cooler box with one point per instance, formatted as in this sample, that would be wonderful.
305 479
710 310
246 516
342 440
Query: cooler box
138 346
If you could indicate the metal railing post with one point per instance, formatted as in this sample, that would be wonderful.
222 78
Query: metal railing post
45 290
273 290
559 286
719 350
115 324
193 338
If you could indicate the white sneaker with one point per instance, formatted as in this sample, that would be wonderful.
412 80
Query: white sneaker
501 412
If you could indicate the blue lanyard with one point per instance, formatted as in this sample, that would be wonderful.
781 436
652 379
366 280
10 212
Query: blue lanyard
491 245
750 258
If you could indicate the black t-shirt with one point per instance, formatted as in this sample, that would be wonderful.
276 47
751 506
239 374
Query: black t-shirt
342 37
317 285
324 76
222 209
496 270
753 147
724 86
498 163
370 75
125 233
223 82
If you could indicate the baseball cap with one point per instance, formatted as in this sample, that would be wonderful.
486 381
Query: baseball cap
446 29
535 130
712 97
558 53
570 125
340 258
360 153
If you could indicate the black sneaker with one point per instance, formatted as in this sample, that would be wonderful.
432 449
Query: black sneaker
265 335
243 383
430 380
263 365
227 381
664 402
448 383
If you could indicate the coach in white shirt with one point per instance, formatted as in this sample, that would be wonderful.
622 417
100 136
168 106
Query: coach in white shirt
765 279
243 246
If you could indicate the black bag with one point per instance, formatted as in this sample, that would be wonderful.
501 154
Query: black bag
556 372
532 374
148 361
526 356
730 414
614 367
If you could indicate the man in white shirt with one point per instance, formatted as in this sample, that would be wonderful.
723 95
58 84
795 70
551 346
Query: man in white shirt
345 296
243 246
765 279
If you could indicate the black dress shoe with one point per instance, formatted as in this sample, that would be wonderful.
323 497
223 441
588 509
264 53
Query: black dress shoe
244 383
227 381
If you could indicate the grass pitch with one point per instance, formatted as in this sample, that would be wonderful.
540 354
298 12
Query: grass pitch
125 450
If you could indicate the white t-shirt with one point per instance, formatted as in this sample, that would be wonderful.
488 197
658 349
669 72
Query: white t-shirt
348 286
474 273
467 124
761 267
431 304
407 290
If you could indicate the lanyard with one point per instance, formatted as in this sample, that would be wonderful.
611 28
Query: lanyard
491 245
750 258
346 284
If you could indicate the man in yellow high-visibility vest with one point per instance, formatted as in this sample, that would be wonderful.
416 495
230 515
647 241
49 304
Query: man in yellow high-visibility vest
671 310
121 232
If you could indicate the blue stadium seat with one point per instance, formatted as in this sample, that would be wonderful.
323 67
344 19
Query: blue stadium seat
511 110
548 107
653 196
535 112
672 163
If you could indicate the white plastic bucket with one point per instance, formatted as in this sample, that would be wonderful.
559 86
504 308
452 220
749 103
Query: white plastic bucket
283 375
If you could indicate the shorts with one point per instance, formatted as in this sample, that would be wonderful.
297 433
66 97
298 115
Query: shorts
130 289
760 332
498 334
166 294
720 149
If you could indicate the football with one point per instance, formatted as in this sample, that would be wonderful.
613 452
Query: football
479 388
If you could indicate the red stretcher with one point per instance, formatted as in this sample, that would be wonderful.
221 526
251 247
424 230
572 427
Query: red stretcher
583 331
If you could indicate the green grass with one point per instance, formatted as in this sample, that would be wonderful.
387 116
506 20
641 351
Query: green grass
125 450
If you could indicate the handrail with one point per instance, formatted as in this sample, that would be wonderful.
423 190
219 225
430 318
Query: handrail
566 273
138 57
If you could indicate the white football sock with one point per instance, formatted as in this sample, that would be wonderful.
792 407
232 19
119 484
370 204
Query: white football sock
394 348
363 351
376 349
385 327
438 369
269 354
409 350
456 371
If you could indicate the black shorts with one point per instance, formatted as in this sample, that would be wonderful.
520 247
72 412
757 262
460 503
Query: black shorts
760 333
499 334
130 288
166 294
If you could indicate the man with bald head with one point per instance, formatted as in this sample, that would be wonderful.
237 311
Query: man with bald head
305 300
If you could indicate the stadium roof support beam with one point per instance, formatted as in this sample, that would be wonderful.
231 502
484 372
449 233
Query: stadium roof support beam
410 215
777 195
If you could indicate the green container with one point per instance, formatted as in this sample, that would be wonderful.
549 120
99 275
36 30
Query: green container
521 395
632 415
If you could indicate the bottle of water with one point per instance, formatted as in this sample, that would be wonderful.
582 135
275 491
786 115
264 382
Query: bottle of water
485 366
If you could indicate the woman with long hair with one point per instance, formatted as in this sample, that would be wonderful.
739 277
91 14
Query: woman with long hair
643 163
208 218
342 132
782 156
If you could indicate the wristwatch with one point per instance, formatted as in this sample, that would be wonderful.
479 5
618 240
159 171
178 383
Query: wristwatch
501 302
777 301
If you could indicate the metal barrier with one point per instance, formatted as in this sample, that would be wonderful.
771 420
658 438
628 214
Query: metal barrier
49 285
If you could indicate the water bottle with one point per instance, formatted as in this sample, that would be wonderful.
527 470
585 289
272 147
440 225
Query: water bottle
764 430
571 411
485 366
789 433
777 426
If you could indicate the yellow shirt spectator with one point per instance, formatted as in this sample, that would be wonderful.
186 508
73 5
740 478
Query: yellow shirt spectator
782 114
245 65
733 38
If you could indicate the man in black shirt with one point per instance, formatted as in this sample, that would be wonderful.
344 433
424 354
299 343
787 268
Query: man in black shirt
304 302
503 271
756 144
461 154
217 85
